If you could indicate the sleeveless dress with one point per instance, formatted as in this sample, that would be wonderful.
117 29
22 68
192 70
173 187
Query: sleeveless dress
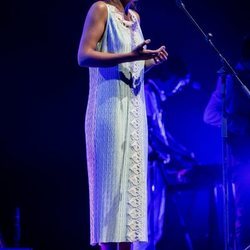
116 139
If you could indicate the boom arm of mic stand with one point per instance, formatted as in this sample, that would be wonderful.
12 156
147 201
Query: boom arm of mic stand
208 38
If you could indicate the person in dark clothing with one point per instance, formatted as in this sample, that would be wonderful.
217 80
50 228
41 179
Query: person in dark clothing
238 124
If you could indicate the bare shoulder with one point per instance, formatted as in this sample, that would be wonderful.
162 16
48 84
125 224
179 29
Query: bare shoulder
98 9
137 15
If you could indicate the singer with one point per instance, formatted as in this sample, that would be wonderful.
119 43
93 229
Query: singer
113 47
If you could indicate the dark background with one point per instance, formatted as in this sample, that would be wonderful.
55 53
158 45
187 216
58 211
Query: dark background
43 95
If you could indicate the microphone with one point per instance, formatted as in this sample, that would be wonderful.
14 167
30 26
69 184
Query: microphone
180 4
182 82
185 82
179 86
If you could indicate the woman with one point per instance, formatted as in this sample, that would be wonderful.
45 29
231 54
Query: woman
113 47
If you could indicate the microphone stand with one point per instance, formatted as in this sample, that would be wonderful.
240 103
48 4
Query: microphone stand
225 154
208 37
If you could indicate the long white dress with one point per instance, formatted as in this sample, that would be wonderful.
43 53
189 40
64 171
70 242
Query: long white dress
116 139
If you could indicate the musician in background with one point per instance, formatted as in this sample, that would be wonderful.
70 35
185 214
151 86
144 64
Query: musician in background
238 116
167 158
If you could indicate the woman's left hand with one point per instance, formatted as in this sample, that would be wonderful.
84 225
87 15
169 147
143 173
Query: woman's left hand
162 56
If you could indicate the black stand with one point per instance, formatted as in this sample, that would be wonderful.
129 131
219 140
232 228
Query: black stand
225 165
225 161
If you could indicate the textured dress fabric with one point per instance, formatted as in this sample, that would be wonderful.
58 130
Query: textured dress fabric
116 138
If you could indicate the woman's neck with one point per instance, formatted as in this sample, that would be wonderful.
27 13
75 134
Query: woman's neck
122 5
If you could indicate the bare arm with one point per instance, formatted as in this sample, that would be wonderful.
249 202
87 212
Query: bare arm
93 30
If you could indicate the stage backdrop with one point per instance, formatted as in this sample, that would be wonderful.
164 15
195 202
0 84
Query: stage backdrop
43 95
